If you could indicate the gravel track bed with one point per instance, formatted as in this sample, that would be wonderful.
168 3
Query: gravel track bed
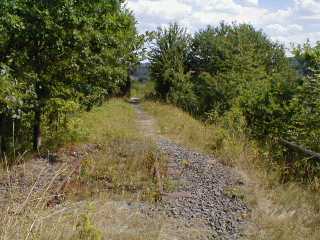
206 181
202 183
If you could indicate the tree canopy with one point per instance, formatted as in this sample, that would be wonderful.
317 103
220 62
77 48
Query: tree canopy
234 69
62 55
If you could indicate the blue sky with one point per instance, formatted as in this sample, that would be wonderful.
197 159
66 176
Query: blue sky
275 4
286 21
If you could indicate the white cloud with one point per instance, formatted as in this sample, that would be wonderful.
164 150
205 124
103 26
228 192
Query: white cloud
277 29
310 6
251 2
284 25
167 9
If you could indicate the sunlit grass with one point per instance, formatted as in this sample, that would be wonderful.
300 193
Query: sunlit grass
141 90
279 211
104 196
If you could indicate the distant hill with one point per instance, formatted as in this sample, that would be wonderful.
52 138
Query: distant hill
142 72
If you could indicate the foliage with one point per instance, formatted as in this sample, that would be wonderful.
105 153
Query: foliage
266 108
306 113
87 230
308 57
289 110
181 89
295 207
235 75
168 57
59 56
227 59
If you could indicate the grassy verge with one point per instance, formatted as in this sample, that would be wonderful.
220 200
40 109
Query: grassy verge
125 161
141 90
99 220
279 211
95 188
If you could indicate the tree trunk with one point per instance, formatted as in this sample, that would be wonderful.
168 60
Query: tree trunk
2 135
125 89
37 129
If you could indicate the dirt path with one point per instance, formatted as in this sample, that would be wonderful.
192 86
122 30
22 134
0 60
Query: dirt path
204 190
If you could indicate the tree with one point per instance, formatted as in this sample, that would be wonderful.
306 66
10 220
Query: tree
307 57
226 61
63 53
168 53
305 124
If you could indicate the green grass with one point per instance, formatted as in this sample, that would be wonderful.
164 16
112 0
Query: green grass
178 125
279 211
113 120
141 90
116 175
124 160
184 129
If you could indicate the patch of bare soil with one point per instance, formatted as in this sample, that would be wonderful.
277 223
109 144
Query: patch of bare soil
44 179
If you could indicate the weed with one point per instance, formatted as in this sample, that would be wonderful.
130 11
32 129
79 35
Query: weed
185 163
122 160
235 192
86 230
117 168
278 211
171 185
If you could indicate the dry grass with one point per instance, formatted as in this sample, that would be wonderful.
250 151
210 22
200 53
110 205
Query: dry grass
96 188
126 160
95 220
178 125
279 211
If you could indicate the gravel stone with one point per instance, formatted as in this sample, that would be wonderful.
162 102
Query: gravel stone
205 180
203 183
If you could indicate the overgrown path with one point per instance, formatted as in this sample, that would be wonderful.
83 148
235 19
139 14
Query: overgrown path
204 192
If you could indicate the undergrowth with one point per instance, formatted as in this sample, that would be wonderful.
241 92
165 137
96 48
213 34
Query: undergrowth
141 90
96 188
280 211
124 161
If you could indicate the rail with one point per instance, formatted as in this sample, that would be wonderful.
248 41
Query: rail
300 149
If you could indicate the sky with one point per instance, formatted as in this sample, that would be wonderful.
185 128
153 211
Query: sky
286 21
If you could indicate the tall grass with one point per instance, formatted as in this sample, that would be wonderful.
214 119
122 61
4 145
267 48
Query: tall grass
103 179
141 90
279 211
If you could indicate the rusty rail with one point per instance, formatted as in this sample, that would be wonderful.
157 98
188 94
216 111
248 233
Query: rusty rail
300 149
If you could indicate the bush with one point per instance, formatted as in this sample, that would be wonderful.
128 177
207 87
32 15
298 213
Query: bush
236 76
168 55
